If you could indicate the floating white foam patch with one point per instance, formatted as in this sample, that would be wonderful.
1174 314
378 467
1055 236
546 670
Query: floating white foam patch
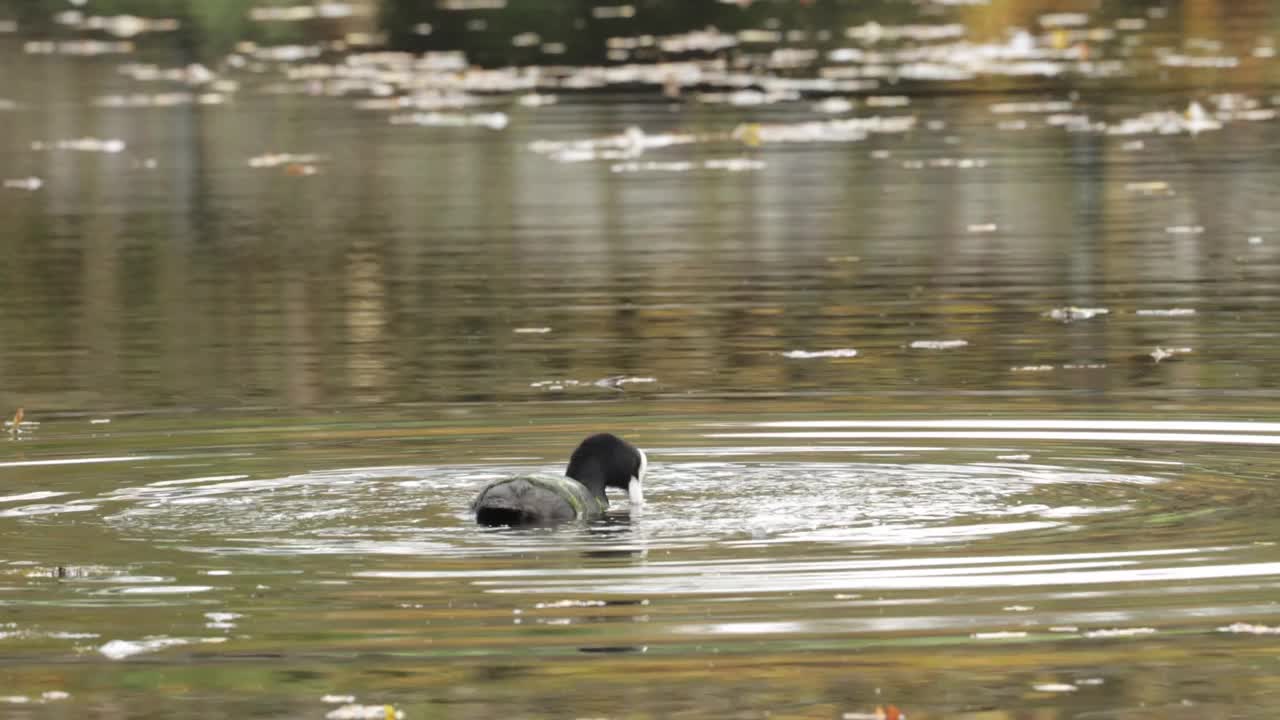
492 121
939 344
1250 629
1072 313
1120 632
121 649
812 354
30 184
110 146
222 616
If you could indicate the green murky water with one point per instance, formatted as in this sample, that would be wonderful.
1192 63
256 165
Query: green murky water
965 409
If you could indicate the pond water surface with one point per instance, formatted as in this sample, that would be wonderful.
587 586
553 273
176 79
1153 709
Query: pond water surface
966 410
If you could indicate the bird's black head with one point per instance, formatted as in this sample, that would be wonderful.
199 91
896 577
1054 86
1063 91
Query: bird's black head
606 460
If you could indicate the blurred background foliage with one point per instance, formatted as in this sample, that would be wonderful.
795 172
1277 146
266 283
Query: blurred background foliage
211 28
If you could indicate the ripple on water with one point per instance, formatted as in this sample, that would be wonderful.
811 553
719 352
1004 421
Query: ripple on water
409 511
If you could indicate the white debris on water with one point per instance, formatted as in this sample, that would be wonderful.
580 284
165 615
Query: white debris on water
121 26
939 344
491 121
1120 632
1162 353
121 649
221 620
813 354
531 330
627 145
535 100
328 10
1244 628
338 699
554 385
272 160
873 32
999 635
1193 121
747 98
1171 312
731 165
160 100
1152 187
617 381
945 163
1072 313
88 144
81 48
888 101
30 184
365 712
734 164
1055 687
824 131
834 106
1064 366
1032 107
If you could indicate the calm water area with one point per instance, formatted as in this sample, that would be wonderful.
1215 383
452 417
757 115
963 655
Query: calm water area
960 397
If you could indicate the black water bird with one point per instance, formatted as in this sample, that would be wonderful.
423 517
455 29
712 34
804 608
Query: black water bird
601 461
